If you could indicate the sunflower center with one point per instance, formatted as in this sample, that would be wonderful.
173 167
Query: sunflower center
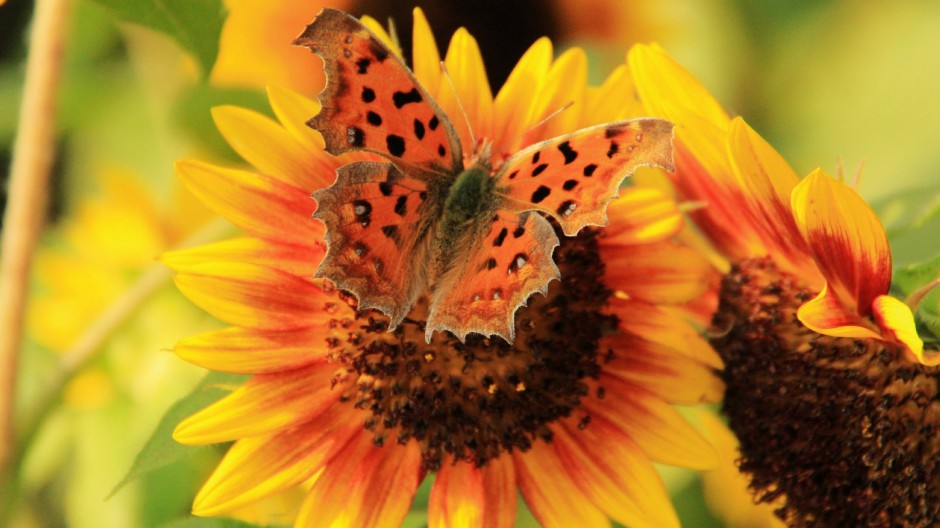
477 399
844 431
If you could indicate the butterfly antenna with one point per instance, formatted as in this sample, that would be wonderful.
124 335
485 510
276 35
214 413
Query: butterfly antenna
544 120
466 118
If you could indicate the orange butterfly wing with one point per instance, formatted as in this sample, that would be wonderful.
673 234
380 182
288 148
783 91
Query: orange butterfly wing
505 262
373 102
377 241
574 177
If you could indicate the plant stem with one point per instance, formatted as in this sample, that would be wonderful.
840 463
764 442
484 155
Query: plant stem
33 154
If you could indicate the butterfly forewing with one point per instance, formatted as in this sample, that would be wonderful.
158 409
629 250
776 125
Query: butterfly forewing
574 177
507 261
373 102
377 223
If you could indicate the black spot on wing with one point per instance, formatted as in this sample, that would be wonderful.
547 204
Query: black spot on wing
498 241
432 124
401 205
362 65
419 129
568 152
368 94
378 50
395 144
589 169
539 170
518 262
518 232
441 151
391 232
373 118
513 174
614 148
566 208
570 184
540 194
536 156
490 263
385 188
402 98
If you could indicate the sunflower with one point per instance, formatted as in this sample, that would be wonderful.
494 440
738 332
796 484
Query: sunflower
829 387
573 413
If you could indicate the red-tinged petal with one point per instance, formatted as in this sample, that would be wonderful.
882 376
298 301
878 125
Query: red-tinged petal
551 495
768 182
254 296
659 273
301 261
845 238
465 496
261 205
273 150
260 466
264 404
826 315
663 434
662 370
612 470
364 485
641 215
658 325
245 351
897 322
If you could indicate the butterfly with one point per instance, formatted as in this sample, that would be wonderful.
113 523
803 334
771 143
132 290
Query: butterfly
421 222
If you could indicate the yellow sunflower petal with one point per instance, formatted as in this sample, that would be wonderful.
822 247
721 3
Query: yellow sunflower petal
262 206
265 144
375 27
513 105
299 260
551 495
293 110
247 351
825 314
364 485
897 321
663 272
252 296
846 240
663 434
641 215
564 84
425 58
615 473
668 90
613 100
264 404
465 66
465 496
260 466
662 370
658 325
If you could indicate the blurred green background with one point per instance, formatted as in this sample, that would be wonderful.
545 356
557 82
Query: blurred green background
822 80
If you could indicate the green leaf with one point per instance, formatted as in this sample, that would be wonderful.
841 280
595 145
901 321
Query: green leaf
160 449
195 24
914 277
912 221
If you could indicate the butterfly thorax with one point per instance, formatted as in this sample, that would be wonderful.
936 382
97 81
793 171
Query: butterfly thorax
471 196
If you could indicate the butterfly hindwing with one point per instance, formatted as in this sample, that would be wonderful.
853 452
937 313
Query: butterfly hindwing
574 177
496 272
373 102
377 221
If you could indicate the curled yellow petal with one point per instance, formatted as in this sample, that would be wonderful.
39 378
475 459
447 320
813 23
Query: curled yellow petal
824 314
897 321
846 240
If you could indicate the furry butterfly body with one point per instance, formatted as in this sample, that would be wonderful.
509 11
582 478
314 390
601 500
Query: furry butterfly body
472 237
